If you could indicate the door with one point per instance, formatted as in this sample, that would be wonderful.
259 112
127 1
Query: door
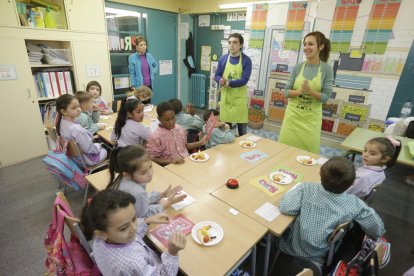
92 63
85 16
163 46
23 135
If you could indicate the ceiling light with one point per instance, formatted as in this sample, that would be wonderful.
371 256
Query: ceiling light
244 5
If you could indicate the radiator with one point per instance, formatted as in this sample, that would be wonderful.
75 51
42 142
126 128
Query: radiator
198 90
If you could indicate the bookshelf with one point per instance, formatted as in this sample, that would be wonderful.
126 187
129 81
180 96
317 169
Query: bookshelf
81 40
52 70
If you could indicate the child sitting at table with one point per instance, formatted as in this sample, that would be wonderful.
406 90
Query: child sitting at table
128 129
134 168
187 119
142 93
221 134
95 89
321 208
68 109
168 143
89 116
118 247
379 153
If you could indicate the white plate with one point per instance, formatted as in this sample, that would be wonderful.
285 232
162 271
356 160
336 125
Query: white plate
284 178
193 157
247 144
215 231
306 160
110 128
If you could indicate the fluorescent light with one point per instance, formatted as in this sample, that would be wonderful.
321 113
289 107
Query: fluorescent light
244 5
121 13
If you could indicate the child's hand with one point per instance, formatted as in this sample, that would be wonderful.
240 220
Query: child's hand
226 127
104 112
170 192
95 107
101 125
176 243
157 219
190 109
174 199
178 161
204 140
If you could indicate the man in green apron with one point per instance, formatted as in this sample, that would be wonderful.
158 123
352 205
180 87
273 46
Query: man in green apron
233 73
309 84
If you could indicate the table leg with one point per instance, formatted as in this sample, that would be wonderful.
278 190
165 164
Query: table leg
253 272
267 254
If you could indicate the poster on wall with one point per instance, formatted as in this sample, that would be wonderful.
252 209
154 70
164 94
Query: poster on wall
380 24
281 59
205 57
343 25
258 25
294 25
213 90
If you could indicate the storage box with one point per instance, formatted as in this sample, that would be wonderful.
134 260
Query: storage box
57 56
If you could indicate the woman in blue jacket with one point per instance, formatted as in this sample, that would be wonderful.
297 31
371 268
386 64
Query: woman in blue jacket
142 66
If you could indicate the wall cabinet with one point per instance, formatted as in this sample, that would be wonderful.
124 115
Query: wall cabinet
91 60
23 135
22 129
85 16
8 14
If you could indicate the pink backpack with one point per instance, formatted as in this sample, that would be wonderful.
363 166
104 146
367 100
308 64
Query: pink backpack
65 258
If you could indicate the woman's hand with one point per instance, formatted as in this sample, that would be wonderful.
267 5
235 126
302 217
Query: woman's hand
305 87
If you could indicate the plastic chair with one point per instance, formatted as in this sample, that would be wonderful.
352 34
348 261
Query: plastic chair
290 265
305 272
335 239
76 154
73 225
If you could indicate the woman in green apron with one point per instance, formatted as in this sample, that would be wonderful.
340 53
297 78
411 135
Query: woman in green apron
309 85
233 73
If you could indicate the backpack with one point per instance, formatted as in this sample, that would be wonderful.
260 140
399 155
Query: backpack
64 168
65 258
410 130
366 261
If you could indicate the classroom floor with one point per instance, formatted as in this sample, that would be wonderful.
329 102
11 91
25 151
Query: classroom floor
27 192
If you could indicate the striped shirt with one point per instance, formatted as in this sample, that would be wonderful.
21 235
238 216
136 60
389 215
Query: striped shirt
93 153
168 144
88 121
186 121
219 136
134 258
318 213
367 177
132 133
146 204
102 105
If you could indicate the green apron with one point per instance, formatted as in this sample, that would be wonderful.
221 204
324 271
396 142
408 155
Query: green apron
233 103
302 123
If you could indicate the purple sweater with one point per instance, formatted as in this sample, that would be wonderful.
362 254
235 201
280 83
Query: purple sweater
247 69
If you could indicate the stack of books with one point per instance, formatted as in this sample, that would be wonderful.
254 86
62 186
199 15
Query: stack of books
35 54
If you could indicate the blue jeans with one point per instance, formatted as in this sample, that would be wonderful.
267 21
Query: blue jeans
241 128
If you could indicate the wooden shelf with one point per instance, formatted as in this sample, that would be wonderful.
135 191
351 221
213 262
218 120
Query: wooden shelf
43 99
50 65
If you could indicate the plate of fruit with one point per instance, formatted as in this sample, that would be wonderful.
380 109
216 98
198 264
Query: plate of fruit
306 160
247 144
207 233
199 156
281 178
